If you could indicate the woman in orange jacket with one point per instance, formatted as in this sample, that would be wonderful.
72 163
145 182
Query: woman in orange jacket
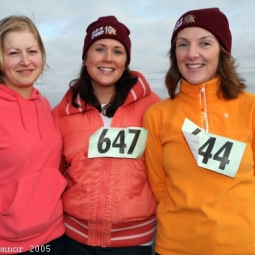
200 149
108 204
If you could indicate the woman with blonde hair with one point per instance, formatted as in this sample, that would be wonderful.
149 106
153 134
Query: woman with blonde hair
31 214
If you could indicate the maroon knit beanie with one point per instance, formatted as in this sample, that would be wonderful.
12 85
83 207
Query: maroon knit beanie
107 27
211 19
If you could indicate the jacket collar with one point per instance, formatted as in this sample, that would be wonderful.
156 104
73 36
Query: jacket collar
211 88
139 90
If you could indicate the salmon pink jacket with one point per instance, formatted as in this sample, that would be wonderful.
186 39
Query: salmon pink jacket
108 201
31 185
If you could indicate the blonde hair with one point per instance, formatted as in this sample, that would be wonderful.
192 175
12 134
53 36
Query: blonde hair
19 23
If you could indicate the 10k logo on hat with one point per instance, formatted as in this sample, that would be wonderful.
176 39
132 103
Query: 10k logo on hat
99 31
188 19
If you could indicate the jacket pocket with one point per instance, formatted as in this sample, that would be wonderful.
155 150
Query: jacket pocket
36 205
138 202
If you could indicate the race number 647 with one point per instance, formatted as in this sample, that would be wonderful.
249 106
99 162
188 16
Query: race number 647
104 142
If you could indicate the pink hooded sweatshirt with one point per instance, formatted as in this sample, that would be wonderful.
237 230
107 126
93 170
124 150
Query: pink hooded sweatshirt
30 183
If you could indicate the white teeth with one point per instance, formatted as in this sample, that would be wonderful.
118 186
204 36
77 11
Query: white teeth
106 69
195 66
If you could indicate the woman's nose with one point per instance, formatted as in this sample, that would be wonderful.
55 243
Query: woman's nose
193 52
108 56
25 59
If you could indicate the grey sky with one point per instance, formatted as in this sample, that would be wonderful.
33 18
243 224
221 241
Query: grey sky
62 25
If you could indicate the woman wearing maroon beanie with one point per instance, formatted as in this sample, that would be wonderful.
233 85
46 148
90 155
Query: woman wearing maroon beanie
200 148
108 204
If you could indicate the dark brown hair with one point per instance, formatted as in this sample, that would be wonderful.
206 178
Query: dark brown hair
82 88
231 83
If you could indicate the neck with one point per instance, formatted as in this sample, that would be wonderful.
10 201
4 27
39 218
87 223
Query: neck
104 94
22 91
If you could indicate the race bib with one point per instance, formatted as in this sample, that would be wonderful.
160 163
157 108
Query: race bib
217 153
118 142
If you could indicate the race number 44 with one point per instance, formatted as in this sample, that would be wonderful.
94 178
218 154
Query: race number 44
217 153
222 155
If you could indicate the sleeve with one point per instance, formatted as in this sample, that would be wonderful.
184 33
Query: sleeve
154 154
63 164
253 141
54 112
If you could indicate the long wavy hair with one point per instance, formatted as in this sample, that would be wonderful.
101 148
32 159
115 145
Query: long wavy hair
82 88
231 82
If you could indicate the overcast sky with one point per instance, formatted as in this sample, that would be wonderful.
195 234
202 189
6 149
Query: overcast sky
62 25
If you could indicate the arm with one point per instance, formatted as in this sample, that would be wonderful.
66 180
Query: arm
154 154
63 164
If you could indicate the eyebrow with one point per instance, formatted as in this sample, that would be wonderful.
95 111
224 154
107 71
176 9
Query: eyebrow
101 44
15 48
203 37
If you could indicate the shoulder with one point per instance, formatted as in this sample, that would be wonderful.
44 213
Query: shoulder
162 105
151 98
43 102
159 109
247 94
247 98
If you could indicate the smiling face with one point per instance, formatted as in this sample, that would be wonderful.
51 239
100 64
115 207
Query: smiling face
22 61
197 53
105 61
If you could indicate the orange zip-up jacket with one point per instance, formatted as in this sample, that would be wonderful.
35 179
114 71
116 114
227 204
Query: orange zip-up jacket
108 201
201 212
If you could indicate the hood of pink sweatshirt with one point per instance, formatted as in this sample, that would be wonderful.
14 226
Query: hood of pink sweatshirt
12 96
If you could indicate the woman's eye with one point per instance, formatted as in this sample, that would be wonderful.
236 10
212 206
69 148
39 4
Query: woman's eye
13 53
33 52
117 52
100 50
182 45
205 44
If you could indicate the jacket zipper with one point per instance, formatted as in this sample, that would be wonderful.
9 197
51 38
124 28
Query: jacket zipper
102 195
203 108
